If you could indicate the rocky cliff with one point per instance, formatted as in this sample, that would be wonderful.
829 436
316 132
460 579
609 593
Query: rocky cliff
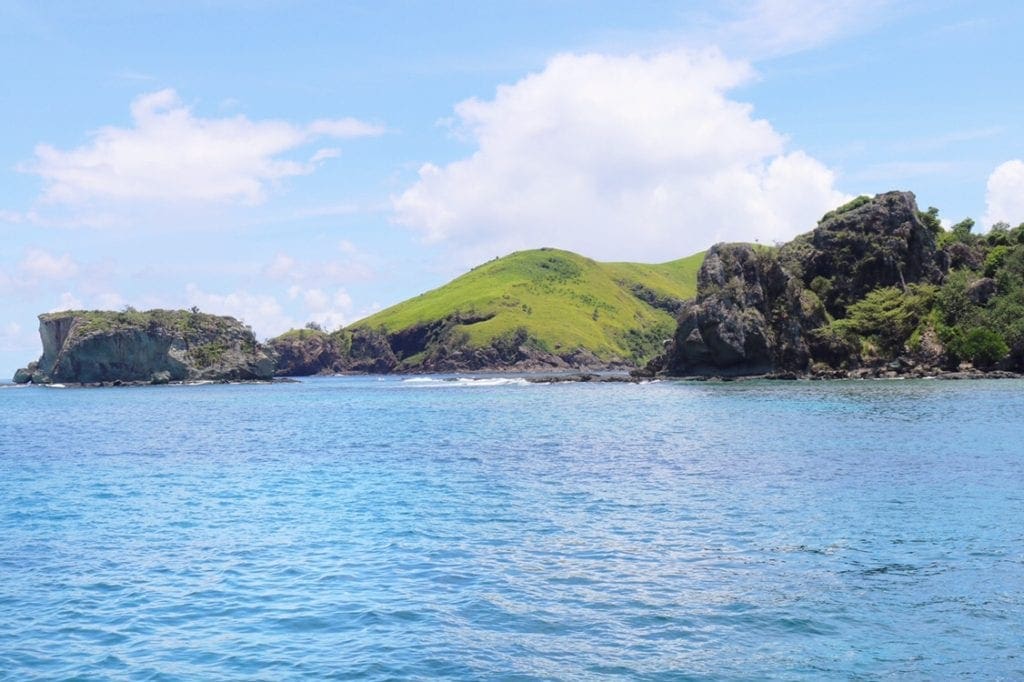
750 317
869 292
434 347
154 346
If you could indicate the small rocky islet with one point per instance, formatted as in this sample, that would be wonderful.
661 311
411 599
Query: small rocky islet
152 347
879 289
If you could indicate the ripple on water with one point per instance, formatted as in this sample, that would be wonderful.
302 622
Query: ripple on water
355 528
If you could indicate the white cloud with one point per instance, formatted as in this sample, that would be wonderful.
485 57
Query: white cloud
324 154
618 157
41 265
15 338
169 154
281 267
260 311
355 266
67 301
329 310
110 301
1005 194
771 28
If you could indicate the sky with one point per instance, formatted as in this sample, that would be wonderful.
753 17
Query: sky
286 162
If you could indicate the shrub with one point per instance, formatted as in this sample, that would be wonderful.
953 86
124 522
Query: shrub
930 219
887 316
995 259
982 346
848 206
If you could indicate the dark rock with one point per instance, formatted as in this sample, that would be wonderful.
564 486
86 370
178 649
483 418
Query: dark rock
960 255
877 244
24 375
749 317
981 291
370 352
306 352
761 312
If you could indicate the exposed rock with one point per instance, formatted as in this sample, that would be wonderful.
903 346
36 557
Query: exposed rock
931 352
153 346
981 291
24 375
440 346
749 317
961 255
879 243
652 298
370 352
761 312
305 352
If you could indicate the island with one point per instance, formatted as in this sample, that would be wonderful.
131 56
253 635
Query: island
879 288
155 346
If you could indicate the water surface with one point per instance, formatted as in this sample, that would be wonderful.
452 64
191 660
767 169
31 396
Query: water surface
366 528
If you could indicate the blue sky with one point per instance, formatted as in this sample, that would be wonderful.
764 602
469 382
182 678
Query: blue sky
293 161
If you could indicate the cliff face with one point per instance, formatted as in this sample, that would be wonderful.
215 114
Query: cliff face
155 346
879 242
761 310
433 347
748 318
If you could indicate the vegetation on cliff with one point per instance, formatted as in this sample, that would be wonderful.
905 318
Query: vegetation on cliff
90 346
879 288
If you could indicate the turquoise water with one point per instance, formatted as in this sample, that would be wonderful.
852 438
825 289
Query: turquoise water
359 528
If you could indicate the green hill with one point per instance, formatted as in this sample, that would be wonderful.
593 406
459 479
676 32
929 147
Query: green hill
561 300
528 310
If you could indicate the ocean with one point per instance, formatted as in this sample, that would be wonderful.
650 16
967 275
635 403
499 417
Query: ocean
423 528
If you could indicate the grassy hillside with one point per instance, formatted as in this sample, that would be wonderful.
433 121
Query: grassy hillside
562 300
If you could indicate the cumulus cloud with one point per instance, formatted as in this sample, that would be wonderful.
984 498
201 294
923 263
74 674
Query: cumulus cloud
171 154
352 266
329 310
262 312
1004 196
618 157
38 264
67 301
15 338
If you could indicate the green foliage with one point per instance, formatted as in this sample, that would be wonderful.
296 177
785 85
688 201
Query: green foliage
985 334
953 304
847 207
962 230
995 259
821 286
930 219
982 346
303 334
208 353
999 235
186 323
959 233
887 316
561 300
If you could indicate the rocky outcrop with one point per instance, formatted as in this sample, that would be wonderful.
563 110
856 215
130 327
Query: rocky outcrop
435 347
761 310
873 243
749 317
155 346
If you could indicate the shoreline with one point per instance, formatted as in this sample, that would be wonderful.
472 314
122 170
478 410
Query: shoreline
608 376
